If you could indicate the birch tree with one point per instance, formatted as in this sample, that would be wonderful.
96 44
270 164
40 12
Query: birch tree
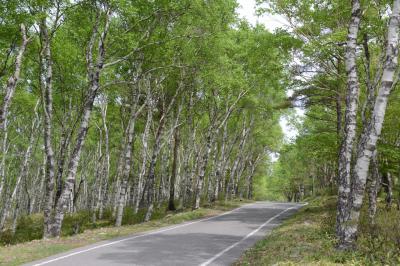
350 126
372 132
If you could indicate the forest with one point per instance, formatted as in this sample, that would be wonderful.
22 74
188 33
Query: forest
116 107
116 112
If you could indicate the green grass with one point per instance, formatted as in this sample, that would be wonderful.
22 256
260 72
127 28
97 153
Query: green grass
308 238
37 249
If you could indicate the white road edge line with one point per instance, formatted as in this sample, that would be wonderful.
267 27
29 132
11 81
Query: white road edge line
138 236
247 236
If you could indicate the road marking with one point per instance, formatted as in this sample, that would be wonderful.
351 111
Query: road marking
247 236
138 236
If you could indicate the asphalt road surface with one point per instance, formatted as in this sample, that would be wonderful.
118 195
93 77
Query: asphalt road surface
218 240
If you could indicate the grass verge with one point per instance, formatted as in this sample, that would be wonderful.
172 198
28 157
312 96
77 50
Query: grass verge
307 238
37 249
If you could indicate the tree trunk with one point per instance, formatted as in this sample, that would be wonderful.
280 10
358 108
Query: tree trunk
171 202
230 188
203 167
156 150
46 84
94 70
145 139
151 170
221 161
4 151
388 186
13 80
127 162
106 168
353 91
98 165
374 187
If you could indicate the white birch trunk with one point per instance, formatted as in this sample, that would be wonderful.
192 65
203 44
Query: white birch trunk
13 80
350 124
127 169
145 139
46 77
94 70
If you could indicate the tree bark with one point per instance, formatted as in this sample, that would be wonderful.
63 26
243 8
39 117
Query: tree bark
13 80
151 169
203 167
126 171
353 91
127 161
219 172
374 187
171 201
106 168
156 150
388 186
230 188
46 83
145 139
94 70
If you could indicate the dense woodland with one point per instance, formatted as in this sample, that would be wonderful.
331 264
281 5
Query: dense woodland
119 107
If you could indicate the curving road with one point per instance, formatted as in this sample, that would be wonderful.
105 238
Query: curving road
219 240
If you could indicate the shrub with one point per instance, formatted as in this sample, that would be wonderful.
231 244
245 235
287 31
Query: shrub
75 223
28 228
380 242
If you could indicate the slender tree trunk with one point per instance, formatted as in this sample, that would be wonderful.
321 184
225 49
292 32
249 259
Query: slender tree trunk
253 165
4 109
242 168
35 192
212 182
171 202
353 91
187 156
127 162
4 151
94 79
13 80
125 176
42 185
97 179
117 184
230 189
15 217
63 151
145 139
221 161
388 185
46 77
374 188
151 170
156 150
106 168
203 167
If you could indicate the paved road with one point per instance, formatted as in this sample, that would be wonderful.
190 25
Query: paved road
218 240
